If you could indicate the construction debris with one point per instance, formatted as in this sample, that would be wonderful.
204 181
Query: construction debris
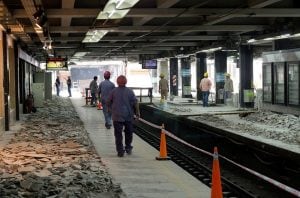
52 156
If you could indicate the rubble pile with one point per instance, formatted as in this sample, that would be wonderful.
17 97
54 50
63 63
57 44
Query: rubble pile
51 156
280 127
289 121
283 127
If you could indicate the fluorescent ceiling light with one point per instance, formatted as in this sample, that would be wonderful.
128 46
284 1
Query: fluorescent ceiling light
114 14
264 40
94 36
269 39
211 49
119 4
296 35
116 9
80 54
229 50
251 41
125 4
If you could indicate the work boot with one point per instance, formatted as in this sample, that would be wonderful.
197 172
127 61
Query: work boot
121 154
107 125
128 150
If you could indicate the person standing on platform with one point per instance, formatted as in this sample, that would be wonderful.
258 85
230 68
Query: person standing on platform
163 88
105 87
228 87
93 90
205 86
69 83
57 85
124 107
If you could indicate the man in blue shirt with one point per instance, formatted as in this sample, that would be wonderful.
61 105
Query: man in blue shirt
105 88
123 105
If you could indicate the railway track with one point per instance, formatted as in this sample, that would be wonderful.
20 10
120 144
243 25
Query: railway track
235 181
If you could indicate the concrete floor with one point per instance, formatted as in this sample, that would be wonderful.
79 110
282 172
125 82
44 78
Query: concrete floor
139 174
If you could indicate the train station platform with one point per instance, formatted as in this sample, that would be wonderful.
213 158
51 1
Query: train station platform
139 174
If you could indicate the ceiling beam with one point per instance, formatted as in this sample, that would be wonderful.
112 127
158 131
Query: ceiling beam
253 4
171 12
102 45
208 28
261 3
64 12
30 9
66 21
148 38
166 3
164 44
160 4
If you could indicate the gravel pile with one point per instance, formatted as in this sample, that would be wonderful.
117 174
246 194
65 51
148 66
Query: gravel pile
52 156
281 127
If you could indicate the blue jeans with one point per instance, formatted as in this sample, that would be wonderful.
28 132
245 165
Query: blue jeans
228 94
205 95
69 90
57 90
118 126
107 115
93 100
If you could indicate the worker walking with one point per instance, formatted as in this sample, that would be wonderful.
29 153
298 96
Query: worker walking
205 86
69 83
57 85
123 105
94 90
228 87
163 87
105 87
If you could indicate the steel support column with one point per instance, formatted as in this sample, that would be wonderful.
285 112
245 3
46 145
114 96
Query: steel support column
246 76
5 81
220 70
201 68
186 77
174 76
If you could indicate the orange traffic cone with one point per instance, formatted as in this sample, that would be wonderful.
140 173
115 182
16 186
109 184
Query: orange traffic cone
99 106
216 186
163 145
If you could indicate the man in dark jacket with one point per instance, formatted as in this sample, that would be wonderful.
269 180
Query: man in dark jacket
57 85
94 89
105 88
69 83
124 106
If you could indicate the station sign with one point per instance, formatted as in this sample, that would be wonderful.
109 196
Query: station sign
56 63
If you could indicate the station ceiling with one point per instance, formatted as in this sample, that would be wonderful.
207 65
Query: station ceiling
151 28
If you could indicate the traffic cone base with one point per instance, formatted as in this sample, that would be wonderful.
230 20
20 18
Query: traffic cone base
163 158
99 106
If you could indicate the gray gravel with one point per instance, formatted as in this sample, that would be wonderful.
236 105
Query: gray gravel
281 127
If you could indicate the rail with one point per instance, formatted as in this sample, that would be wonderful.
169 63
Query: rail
88 97
141 90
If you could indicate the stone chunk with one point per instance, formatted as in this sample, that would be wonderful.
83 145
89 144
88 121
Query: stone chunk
26 169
